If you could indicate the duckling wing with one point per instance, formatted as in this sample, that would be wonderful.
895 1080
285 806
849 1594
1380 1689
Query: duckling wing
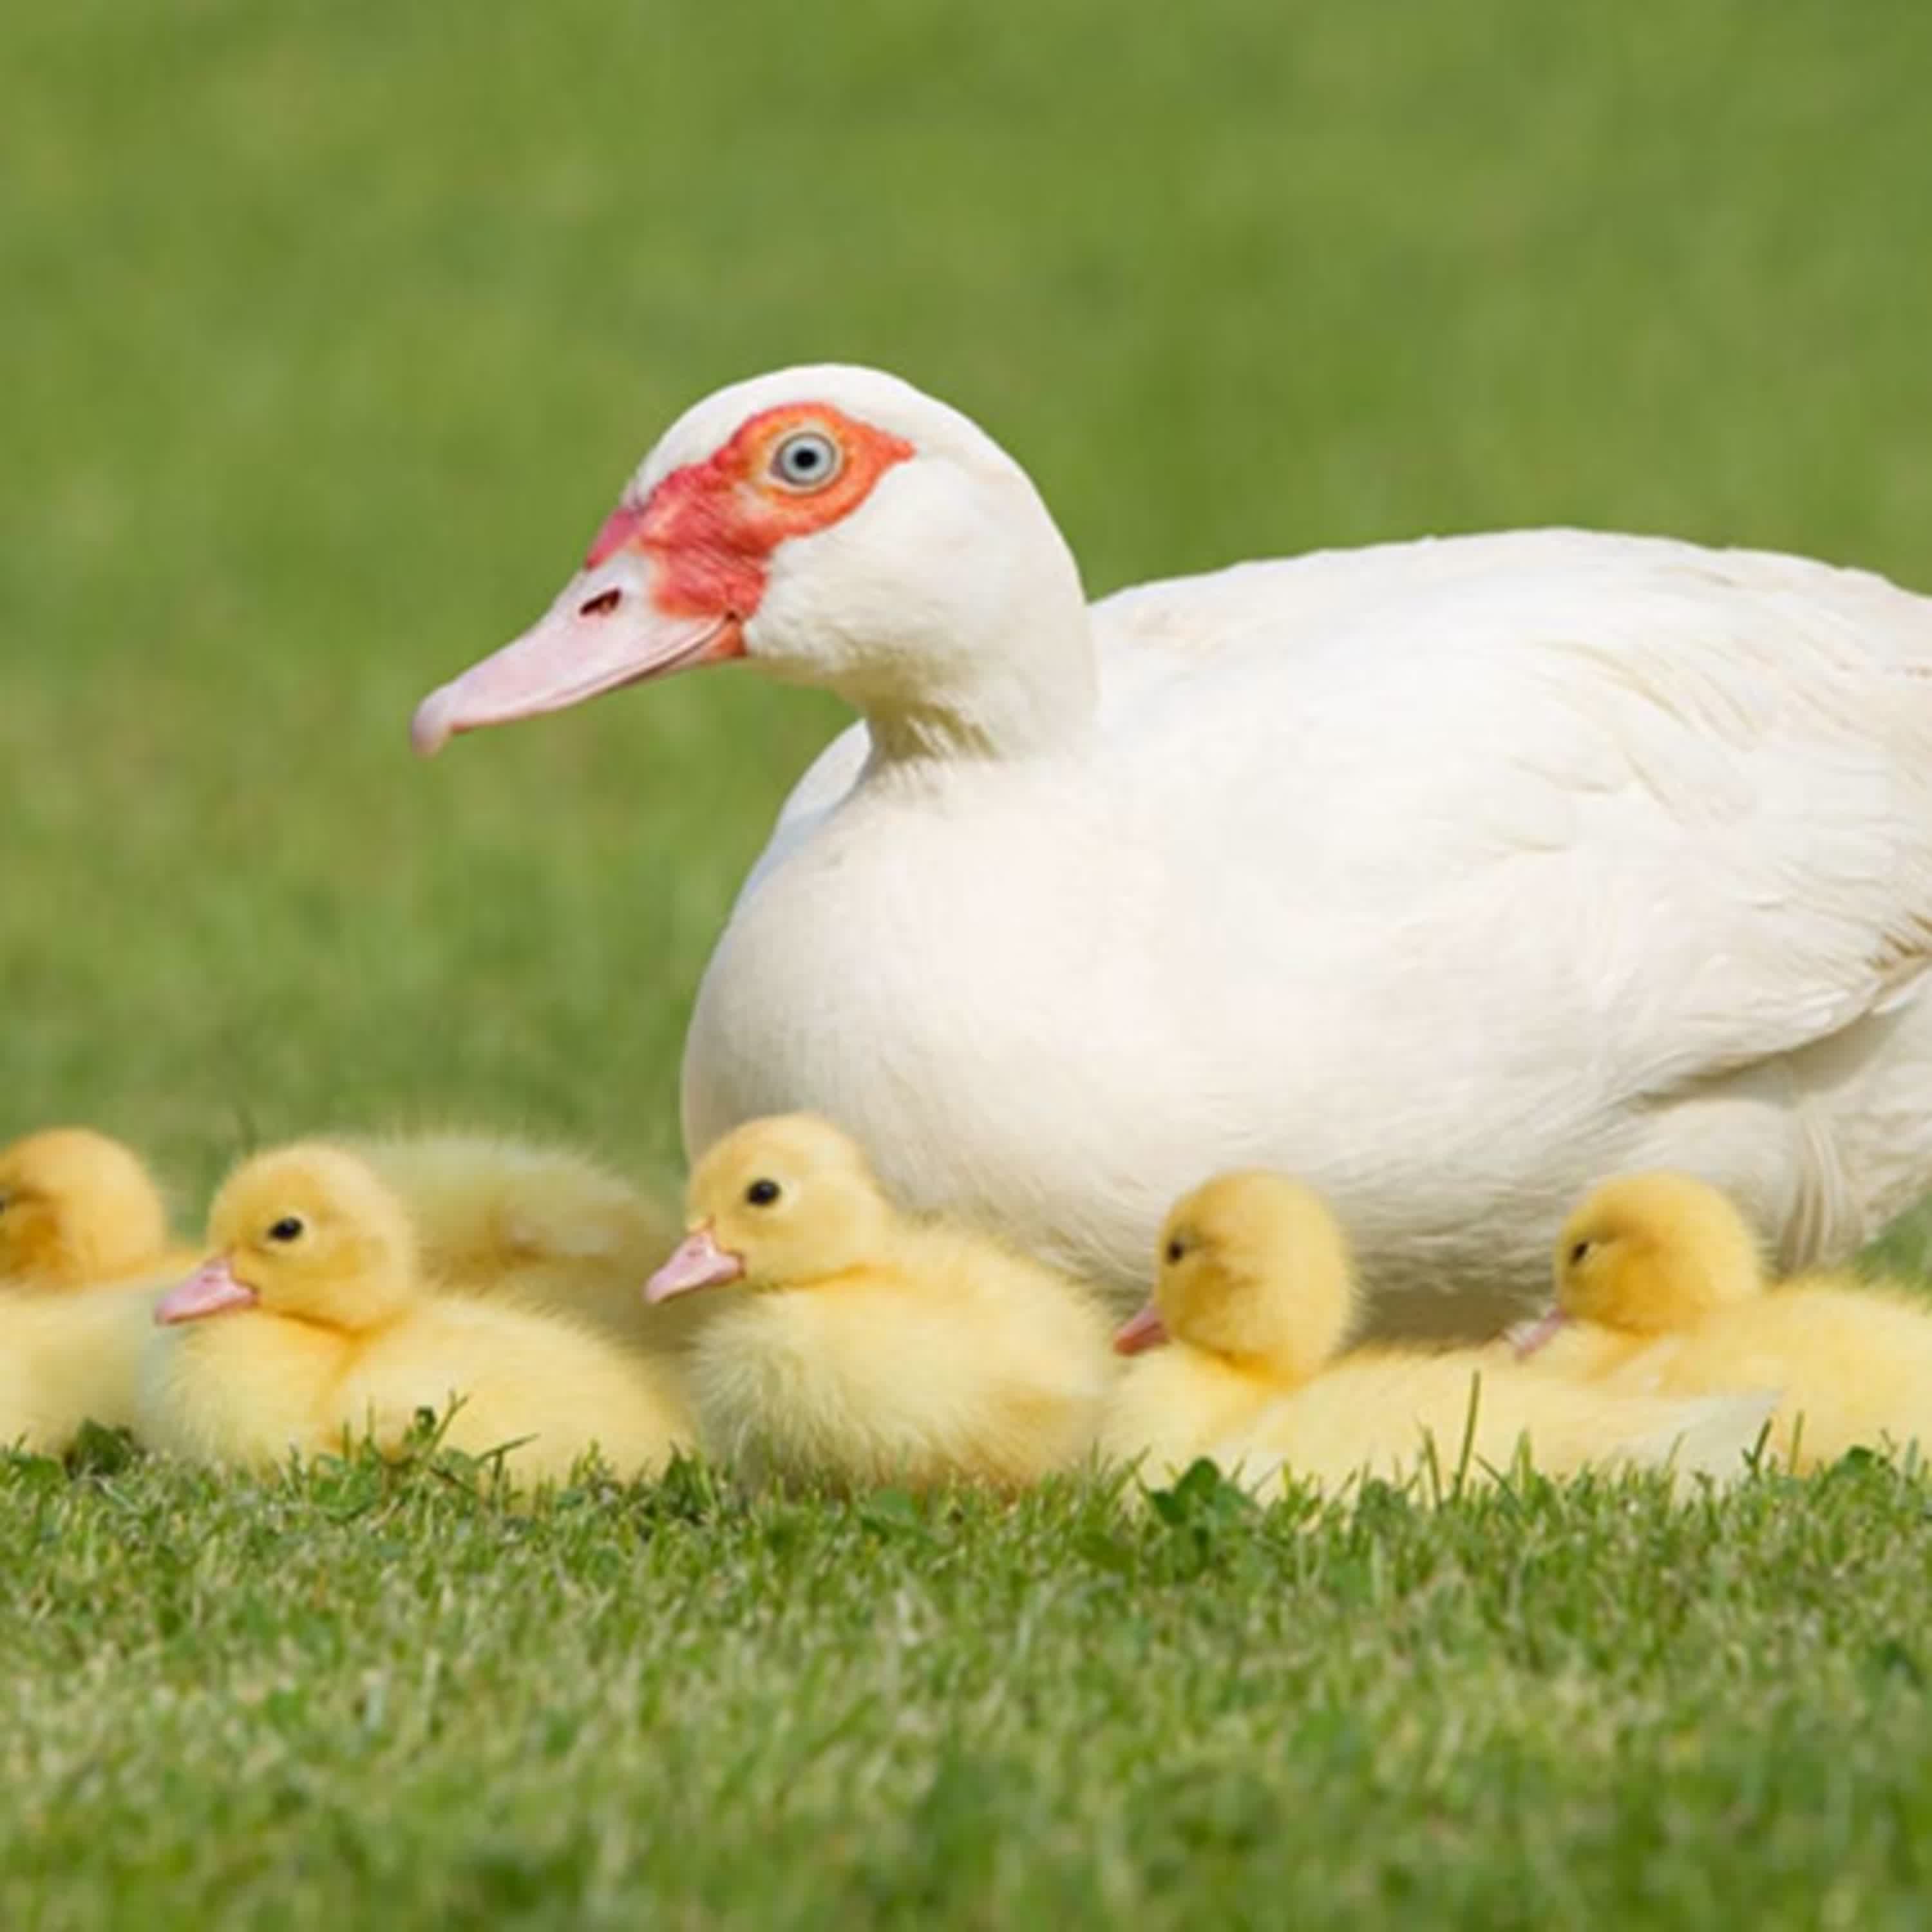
544 1228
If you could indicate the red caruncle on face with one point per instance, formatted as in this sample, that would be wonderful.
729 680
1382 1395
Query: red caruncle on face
710 528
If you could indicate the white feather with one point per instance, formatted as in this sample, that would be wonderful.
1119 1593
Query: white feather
1452 875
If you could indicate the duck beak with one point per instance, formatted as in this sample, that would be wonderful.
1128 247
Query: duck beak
212 1291
697 1261
605 632
1526 1337
1140 1333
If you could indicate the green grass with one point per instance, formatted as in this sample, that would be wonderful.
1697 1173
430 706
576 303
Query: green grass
328 333
299 1706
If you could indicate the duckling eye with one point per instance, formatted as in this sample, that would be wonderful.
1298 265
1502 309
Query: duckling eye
1577 1253
290 1228
1176 1249
762 1193
808 459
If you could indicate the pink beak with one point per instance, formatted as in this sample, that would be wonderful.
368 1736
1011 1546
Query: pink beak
604 632
697 1261
1140 1333
1526 1337
213 1292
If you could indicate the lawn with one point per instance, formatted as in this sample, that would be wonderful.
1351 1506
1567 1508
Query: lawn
328 333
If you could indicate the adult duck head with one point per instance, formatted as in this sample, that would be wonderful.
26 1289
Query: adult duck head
834 526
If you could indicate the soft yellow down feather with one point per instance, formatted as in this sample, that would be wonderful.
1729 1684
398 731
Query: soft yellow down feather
312 1327
1660 1286
850 1345
1255 1296
544 1227
78 1210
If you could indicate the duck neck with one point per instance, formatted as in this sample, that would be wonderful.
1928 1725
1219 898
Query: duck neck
1020 683
985 724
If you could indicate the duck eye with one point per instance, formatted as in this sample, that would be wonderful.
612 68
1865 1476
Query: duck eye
808 459
762 1193
290 1228
1577 1253
1176 1249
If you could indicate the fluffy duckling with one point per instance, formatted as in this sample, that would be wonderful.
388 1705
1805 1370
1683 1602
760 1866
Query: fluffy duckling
312 1326
1255 1296
1659 1285
1642 1259
78 1210
544 1227
850 1345
84 1252
1255 1293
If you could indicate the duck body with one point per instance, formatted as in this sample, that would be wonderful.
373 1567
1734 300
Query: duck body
1439 873
1411 878
938 1369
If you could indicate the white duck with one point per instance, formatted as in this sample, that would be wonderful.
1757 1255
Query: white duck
1451 875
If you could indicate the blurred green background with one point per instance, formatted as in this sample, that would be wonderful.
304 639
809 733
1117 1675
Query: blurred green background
328 333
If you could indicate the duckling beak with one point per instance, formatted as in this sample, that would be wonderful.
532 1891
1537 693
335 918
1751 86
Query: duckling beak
697 1261
1140 1333
212 1291
605 630
1526 1337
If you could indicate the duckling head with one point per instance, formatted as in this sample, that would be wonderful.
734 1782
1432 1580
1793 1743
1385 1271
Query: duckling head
1648 1254
310 1232
76 1207
1253 1268
779 1203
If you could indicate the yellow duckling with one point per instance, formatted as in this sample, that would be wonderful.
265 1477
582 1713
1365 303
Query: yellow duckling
852 1346
1659 1285
78 1210
84 1252
1255 1294
541 1226
312 1326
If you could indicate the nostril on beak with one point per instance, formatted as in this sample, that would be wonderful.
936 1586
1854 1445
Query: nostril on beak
601 605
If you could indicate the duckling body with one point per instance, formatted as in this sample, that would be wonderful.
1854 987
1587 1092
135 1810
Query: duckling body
251 1391
247 1391
542 1227
1173 1405
1852 1366
1660 1287
850 1346
69 1359
1396 1416
314 1329
1255 1296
